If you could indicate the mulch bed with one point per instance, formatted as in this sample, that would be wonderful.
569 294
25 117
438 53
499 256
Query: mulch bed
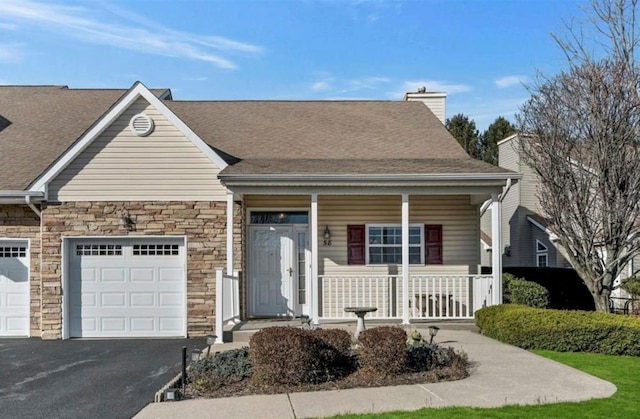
358 379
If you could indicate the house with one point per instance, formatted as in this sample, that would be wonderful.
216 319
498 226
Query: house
126 213
527 240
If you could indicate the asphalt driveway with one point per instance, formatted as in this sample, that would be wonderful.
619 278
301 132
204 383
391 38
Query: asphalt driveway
85 378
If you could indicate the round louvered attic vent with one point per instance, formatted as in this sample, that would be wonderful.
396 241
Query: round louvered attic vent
141 124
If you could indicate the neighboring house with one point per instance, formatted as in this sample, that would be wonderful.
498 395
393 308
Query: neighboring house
526 238
119 210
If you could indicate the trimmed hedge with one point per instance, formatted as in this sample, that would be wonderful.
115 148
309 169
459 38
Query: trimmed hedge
564 331
528 293
383 350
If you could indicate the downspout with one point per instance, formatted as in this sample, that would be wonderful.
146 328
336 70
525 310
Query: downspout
27 200
487 203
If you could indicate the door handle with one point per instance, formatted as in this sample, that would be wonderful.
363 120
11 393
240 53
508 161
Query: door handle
290 271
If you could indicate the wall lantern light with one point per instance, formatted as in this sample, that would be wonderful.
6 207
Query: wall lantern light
327 233
127 222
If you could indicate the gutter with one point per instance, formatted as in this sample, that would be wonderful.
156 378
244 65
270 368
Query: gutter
485 204
29 198
369 177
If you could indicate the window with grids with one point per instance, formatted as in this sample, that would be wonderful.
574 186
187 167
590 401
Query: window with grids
13 252
542 258
99 250
156 250
384 244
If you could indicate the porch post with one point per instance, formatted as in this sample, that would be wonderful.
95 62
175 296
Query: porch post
496 248
405 258
315 300
229 233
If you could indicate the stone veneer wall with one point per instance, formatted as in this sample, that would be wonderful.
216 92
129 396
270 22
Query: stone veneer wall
203 223
20 222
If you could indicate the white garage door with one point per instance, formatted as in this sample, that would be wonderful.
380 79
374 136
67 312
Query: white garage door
127 288
14 288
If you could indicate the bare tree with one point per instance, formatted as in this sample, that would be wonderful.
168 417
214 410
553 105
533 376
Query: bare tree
583 140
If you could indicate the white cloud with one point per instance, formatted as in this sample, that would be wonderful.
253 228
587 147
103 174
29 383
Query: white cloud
195 78
122 29
320 86
329 83
508 81
10 53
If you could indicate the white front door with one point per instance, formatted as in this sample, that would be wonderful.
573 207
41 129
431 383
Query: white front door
14 288
130 287
272 268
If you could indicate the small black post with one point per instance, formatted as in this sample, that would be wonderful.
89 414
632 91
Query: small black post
184 368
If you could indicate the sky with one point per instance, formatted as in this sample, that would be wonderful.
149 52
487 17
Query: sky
482 53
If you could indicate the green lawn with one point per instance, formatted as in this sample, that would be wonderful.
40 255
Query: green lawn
623 371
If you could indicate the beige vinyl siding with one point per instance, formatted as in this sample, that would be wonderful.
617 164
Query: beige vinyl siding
436 104
458 217
121 166
277 202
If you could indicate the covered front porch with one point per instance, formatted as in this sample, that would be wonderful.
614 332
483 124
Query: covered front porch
413 256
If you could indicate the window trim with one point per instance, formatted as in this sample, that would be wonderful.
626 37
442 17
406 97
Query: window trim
540 253
367 245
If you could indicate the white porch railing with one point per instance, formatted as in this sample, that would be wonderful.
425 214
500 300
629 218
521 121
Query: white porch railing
340 291
430 296
227 300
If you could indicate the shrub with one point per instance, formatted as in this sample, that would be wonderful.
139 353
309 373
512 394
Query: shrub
221 369
506 292
565 331
566 289
383 350
528 293
423 356
337 338
632 285
286 355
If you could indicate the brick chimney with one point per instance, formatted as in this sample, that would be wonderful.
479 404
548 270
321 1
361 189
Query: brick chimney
434 101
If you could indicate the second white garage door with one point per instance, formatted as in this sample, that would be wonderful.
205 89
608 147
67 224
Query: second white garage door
127 287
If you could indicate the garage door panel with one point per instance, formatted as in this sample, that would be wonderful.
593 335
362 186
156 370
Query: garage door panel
171 275
14 288
171 324
16 300
142 299
142 274
113 324
112 275
112 299
88 274
139 293
142 324
16 325
170 299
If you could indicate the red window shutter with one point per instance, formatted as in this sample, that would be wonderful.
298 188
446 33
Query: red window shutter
433 244
355 245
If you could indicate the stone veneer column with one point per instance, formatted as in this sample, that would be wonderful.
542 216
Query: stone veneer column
203 224
20 222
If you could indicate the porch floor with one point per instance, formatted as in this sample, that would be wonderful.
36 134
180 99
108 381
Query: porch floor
242 331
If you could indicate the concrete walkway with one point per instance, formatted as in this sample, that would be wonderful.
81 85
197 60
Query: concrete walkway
503 375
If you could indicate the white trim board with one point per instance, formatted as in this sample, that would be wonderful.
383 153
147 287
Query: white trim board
552 235
136 91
